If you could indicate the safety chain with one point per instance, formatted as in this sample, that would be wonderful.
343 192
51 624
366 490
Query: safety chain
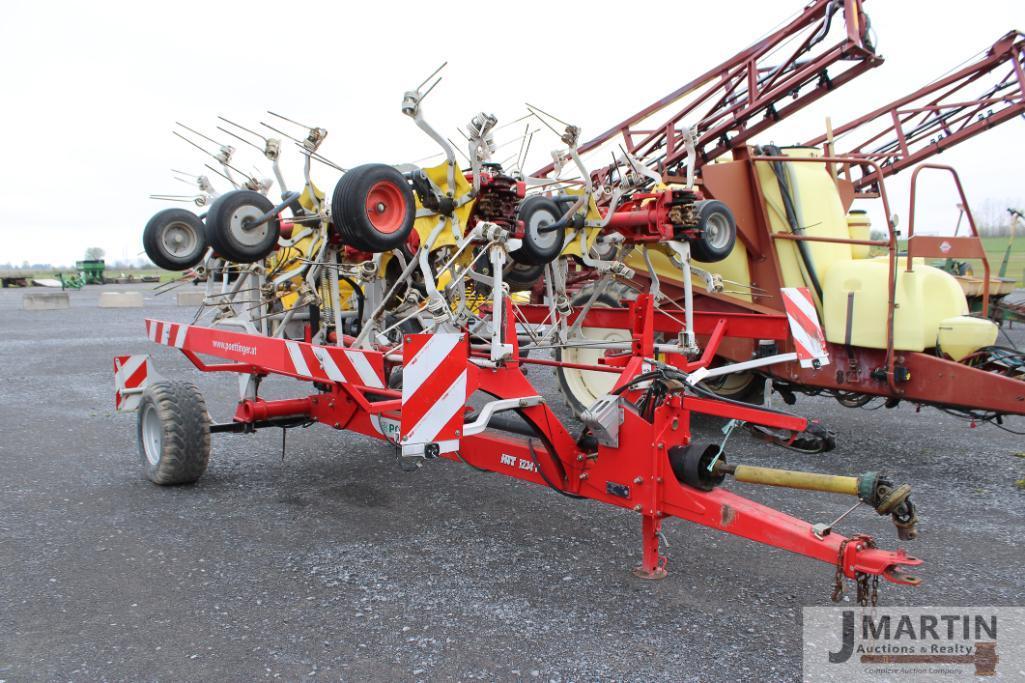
838 582
867 588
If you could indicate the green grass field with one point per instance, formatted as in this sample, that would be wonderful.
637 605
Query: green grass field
995 248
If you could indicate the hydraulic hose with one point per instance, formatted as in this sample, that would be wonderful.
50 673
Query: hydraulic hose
790 208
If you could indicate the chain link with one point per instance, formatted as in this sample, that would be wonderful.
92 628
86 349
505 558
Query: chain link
867 587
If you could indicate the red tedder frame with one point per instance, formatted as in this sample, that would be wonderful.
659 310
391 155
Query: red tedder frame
352 394
969 100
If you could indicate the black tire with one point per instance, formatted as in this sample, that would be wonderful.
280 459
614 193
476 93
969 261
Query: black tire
226 223
718 232
173 433
538 248
522 277
392 201
174 239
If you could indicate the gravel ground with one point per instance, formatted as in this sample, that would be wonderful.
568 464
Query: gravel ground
334 564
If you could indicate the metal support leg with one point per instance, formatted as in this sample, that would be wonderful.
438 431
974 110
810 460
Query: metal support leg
653 565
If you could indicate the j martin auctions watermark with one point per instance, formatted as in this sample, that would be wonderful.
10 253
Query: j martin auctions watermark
852 644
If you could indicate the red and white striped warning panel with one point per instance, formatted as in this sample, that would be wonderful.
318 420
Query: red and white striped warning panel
809 340
284 356
168 334
131 376
434 390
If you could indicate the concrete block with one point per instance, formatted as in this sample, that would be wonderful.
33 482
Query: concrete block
45 301
194 298
121 300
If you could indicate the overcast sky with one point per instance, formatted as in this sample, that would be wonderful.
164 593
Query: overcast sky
91 90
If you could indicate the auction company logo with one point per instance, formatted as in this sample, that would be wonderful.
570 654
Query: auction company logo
914 643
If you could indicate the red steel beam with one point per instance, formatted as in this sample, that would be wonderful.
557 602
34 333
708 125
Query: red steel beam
731 103
970 100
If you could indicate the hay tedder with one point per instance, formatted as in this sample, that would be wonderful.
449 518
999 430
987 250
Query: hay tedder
663 286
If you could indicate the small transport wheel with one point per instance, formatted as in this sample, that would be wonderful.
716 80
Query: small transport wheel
174 239
538 247
718 232
228 226
173 433
373 208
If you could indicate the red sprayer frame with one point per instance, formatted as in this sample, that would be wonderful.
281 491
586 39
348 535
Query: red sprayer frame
636 475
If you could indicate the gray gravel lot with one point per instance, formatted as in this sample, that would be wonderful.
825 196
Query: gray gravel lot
334 564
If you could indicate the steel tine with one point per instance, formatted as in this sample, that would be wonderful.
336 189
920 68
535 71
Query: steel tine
456 148
219 173
294 123
196 132
435 73
195 144
506 125
555 118
267 125
433 85
241 127
239 137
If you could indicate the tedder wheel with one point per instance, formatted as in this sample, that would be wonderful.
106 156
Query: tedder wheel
373 208
583 387
228 226
522 277
173 433
174 239
538 247
718 232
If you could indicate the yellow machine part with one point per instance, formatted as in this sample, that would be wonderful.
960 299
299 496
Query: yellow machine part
819 212
958 337
928 298
734 268
573 247
930 303
859 227
426 224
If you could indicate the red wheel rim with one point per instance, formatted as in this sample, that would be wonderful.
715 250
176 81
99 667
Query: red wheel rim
386 207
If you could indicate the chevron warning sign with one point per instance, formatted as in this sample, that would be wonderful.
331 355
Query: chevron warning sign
131 375
434 387
809 341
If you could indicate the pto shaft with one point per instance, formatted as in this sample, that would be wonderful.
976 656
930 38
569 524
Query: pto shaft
791 479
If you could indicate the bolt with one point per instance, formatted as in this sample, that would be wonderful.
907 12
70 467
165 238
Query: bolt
331 403
580 458
584 475
637 508
638 480
458 432
658 480
338 425
661 446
